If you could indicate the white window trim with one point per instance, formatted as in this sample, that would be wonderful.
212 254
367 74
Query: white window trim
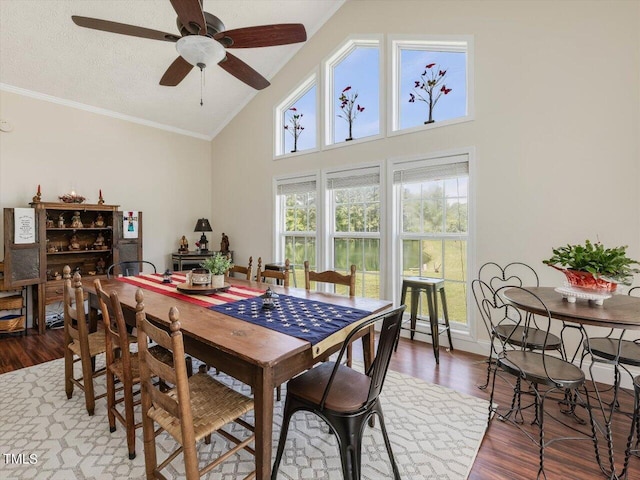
328 220
278 112
453 43
278 247
393 248
348 45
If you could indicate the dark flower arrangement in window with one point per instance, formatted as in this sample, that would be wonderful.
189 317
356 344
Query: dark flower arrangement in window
350 109
430 88
295 128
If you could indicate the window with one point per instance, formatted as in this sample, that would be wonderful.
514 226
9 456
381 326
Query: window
353 91
432 81
431 205
296 222
296 125
353 199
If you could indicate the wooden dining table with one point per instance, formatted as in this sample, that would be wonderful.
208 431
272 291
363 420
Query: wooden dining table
255 355
618 312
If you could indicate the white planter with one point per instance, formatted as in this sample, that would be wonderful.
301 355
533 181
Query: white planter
217 281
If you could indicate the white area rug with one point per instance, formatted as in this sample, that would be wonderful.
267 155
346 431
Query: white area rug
435 434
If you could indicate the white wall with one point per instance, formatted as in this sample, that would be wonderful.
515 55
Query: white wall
555 134
165 175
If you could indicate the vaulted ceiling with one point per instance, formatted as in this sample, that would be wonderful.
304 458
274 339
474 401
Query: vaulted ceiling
43 53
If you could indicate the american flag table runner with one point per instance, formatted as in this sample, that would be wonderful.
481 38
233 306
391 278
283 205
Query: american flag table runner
308 320
154 283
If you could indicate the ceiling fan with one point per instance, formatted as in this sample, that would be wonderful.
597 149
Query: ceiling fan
203 41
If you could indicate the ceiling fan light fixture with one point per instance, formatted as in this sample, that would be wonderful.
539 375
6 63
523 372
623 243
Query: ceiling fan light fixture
200 50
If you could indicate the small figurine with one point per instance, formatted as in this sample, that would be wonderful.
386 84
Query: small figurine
184 245
99 243
38 196
76 222
224 244
100 266
99 221
74 243
61 220
49 222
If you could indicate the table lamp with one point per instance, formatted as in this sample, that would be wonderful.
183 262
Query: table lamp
203 225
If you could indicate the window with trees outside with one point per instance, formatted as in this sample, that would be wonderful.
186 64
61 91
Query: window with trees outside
432 208
296 223
353 199
296 120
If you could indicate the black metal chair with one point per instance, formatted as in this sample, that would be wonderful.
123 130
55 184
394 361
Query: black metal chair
130 268
632 447
492 277
542 370
345 398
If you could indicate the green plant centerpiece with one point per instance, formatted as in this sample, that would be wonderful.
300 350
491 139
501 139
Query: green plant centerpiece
218 265
593 266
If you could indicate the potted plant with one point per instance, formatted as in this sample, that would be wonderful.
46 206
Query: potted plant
593 266
217 265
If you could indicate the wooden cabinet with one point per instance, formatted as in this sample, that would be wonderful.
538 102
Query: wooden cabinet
87 237
13 307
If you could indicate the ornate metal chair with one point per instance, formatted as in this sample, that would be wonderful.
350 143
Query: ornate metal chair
543 371
492 277
345 398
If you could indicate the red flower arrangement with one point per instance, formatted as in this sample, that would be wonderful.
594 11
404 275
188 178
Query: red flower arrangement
350 109
428 88
296 127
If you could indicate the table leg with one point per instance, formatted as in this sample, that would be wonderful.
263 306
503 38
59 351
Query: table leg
263 409
368 347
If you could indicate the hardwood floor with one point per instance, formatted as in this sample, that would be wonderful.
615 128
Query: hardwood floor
505 453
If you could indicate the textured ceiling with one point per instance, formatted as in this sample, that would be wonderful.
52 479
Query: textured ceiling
44 52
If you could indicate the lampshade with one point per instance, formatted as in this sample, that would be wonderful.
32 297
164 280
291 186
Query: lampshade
203 225
200 50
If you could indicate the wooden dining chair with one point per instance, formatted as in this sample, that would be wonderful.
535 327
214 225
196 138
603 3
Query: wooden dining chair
241 270
80 345
345 398
274 275
123 366
331 276
335 278
197 407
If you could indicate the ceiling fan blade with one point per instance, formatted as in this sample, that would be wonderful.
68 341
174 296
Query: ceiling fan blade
244 72
123 29
263 35
191 15
176 72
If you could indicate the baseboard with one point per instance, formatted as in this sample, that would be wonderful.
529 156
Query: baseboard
599 372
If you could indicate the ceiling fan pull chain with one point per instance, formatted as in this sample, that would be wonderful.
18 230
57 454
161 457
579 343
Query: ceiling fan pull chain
201 81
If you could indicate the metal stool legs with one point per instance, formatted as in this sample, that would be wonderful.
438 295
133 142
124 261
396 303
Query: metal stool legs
431 287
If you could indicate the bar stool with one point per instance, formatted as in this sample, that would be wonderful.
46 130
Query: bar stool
431 287
635 428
